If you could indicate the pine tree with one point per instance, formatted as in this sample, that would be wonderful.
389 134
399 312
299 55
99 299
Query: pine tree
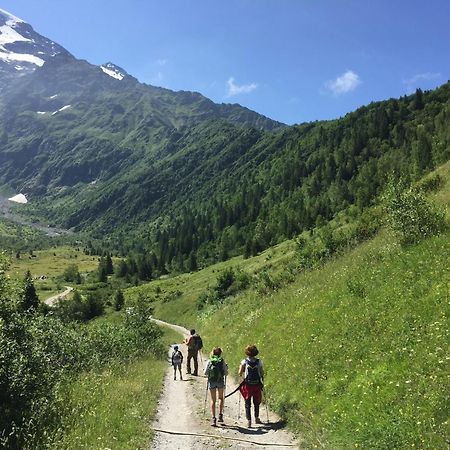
418 99
102 273
109 265
119 300
121 269
29 299
192 262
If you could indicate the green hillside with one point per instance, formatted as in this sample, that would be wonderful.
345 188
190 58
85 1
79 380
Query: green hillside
355 348
193 181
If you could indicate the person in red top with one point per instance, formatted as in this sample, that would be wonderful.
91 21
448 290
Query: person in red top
194 345
252 372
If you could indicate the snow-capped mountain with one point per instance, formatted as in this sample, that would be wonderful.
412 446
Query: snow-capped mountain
22 50
114 71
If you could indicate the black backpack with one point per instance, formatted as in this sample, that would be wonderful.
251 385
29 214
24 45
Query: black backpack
198 343
252 377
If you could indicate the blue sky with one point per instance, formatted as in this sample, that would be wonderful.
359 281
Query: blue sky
291 60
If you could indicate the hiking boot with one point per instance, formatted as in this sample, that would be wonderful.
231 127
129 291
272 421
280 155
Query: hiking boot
213 422
249 423
195 374
175 378
258 420
220 418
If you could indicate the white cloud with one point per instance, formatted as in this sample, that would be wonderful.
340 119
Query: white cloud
234 89
161 62
344 83
413 82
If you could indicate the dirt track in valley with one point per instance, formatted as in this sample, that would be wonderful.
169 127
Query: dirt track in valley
54 299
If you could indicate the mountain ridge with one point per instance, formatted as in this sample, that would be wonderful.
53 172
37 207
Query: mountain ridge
111 155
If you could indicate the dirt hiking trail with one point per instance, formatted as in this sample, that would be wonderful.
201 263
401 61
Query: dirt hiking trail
181 424
53 300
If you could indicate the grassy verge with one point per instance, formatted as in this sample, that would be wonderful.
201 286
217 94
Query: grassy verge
113 408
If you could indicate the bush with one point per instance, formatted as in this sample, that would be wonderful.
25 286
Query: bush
410 214
224 282
38 353
72 274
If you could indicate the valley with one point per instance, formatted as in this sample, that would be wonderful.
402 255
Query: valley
152 211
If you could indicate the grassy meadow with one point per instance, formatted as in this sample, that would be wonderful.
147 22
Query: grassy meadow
50 264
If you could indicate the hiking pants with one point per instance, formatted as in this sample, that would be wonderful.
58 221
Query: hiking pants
248 404
192 354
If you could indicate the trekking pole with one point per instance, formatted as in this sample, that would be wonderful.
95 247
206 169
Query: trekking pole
265 402
239 410
224 392
206 399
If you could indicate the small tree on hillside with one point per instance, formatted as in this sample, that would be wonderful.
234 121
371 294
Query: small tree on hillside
102 272
29 299
121 269
119 300
72 274
109 265
192 262
94 306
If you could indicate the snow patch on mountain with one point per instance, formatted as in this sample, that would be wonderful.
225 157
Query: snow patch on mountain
112 71
61 109
19 198
8 35
10 56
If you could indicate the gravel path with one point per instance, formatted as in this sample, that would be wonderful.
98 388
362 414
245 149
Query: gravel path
181 424
53 300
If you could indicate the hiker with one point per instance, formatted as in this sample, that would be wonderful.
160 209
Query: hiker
194 344
177 361
252 372
216 370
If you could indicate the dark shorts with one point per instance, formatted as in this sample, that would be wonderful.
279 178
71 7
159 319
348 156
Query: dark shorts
216 384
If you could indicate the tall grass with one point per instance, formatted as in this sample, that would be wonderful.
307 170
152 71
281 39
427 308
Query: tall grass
112 408
356 353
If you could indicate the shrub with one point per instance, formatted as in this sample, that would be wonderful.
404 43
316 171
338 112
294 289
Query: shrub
39 352
410 214
72 274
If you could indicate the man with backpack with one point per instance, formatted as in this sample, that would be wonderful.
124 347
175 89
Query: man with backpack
252 372
216 370
194 344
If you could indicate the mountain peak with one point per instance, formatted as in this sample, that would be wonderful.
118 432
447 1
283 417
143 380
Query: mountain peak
9 19
114 71
22 50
